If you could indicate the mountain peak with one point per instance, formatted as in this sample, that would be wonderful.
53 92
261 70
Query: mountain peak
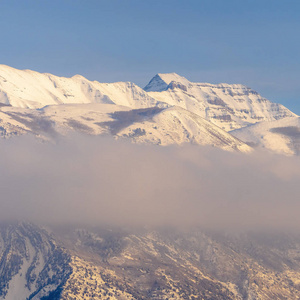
169 77
161 81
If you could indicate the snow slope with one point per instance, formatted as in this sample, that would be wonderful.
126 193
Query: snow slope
160 126
281 136
229 106
176 126
29 89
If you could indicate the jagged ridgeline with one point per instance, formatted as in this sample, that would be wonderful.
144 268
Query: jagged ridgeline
169 110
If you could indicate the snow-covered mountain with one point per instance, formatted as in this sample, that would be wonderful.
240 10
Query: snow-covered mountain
113 263
104 263
170 109
30 89
229 106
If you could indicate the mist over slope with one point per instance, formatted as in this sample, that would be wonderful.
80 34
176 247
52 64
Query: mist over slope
86 213
121 263
127 221
96 179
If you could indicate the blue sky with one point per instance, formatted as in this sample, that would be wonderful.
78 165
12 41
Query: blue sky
254 42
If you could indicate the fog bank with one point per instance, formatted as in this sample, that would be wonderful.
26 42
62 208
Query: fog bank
97 180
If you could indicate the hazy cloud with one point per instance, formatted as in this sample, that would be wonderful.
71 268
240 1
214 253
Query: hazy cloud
99 180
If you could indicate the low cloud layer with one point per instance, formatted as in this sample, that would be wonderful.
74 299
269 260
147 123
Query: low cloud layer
96 180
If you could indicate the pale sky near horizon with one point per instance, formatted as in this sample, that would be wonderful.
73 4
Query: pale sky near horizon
253 42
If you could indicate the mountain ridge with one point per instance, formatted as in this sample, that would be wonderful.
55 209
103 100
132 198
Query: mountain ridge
114 263
227 106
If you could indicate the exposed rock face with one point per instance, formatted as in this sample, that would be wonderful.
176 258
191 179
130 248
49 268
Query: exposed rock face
147 264
177 85
31 264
